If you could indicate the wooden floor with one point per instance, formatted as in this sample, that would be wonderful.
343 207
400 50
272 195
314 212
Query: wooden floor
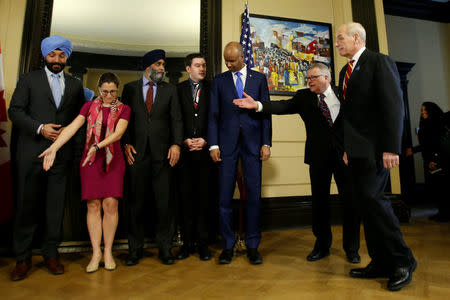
285 273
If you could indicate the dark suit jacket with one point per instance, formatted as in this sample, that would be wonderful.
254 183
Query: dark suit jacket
321 139
195 122
226 121
32 104
162 129
373 109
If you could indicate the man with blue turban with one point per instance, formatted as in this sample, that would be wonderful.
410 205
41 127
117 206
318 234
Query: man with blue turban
43 103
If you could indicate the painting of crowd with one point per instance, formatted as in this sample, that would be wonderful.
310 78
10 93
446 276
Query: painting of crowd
283 50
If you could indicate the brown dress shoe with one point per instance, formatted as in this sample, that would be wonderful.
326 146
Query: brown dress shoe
54 266
21 270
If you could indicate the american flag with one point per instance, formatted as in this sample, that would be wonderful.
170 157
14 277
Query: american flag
246 42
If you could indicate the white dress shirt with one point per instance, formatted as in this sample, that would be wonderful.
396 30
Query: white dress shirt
243 76
332 102
357 55
355 58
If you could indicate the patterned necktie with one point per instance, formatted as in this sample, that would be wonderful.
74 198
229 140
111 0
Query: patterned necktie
348 72
196 94
149 98
239 85
56 90
324 109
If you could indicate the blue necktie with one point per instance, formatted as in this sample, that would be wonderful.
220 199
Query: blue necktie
239 85
56 89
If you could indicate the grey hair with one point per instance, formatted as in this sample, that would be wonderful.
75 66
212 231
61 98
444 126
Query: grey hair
356 28
322 67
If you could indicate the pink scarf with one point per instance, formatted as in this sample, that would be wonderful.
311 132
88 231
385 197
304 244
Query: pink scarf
94 127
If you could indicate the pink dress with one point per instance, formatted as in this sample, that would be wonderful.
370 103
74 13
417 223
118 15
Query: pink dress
95 182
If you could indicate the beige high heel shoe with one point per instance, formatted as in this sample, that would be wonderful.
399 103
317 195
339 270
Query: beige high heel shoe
93 265
110 266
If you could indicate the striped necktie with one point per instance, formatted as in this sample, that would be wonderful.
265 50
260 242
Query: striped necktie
196 94
348 72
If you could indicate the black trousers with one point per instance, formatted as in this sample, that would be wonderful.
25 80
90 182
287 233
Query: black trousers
320 174
39 191
195 174
384 239
150 181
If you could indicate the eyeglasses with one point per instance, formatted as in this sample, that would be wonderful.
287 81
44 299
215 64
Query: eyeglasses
313 77
105 93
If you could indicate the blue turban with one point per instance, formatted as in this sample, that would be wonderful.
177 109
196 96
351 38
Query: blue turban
152 57
56 42
88 94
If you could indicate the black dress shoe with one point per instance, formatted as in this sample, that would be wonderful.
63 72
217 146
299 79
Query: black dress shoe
317 254
254 257
204 253
401 277
21 270
370 271
54 265
184 252
353 257
226 256
166 257
134 257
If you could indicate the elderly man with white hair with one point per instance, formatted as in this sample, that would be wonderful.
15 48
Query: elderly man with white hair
372 109
43 102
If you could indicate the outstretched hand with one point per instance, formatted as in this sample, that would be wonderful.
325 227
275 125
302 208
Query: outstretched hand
247 102
91 152
49 157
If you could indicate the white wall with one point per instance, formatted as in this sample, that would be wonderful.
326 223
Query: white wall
427 44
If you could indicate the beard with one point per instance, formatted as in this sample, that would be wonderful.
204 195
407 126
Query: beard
51 67
157 76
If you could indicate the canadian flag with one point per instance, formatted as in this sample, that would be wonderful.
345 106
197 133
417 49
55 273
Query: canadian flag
6 202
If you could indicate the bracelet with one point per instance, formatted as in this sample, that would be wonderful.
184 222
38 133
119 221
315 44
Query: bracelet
96 147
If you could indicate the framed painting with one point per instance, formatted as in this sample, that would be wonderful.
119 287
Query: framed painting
284 48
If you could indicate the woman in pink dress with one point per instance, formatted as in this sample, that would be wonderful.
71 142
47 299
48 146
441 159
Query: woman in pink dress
102 165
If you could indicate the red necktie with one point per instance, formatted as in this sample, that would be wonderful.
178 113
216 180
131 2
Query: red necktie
324 109
348 72
149 98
